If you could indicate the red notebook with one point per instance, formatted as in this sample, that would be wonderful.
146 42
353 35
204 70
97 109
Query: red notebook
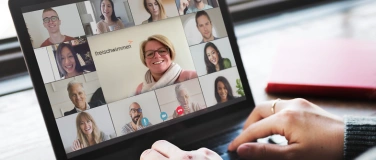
343 68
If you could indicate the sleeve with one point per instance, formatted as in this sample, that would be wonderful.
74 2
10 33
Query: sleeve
197 107
226 63
360 135
178 4
189 10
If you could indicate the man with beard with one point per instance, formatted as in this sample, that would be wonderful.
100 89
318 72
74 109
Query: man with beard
182 96
135 112
52 22
204 26
199 5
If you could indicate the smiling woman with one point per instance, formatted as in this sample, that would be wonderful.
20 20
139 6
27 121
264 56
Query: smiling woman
109 20
67 61
157 53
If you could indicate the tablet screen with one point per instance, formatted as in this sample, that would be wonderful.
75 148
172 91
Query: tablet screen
113 68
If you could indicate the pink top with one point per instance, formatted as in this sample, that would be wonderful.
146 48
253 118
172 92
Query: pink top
184 76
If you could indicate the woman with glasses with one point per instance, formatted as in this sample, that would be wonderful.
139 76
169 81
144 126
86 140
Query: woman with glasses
52 23
213 59
109 20
88 133
155 9
157 54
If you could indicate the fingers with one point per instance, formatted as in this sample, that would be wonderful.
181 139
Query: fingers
76 145
209 154
151 154
263 110
265 151
260 129
166 148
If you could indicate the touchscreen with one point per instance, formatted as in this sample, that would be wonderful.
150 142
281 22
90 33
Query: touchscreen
113 68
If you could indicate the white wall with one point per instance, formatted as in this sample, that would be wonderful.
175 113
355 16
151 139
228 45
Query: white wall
58 94
207 84
167 96
67 125
120 110
140 14
121 72
70 23
53 63
198 54
190 27
44 64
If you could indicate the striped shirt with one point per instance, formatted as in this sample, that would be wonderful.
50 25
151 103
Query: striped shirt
127 128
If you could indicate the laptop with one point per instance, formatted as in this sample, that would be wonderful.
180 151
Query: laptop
114 76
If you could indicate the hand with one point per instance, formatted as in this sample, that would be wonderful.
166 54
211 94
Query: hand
139 121
312 133
183 4
76 145
187 109
164 150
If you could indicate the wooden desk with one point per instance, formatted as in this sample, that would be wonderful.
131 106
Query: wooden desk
24 135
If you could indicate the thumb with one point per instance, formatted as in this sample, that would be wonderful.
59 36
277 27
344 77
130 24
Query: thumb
265 151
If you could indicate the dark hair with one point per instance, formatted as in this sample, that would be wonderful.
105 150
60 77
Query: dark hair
227 86
59 49
113 15
210 67
202 13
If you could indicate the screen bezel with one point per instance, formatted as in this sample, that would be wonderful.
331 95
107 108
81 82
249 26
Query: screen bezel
147 138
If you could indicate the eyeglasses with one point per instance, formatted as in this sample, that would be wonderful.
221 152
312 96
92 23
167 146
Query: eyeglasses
161 51
136 110
52 18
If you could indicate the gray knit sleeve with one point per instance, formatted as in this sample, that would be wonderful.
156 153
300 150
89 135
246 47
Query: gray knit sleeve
360 135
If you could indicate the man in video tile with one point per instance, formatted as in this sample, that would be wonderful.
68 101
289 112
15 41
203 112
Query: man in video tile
135 112
52 22
77 95
182 95
199 5
204 26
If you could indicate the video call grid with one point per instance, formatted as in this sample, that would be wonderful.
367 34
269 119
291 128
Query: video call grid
154 90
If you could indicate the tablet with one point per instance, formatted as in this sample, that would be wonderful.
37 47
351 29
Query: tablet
111 73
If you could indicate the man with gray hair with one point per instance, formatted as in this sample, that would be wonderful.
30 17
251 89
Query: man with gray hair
182 95
77 95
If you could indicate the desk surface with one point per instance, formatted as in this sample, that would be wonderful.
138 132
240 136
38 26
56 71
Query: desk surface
24 134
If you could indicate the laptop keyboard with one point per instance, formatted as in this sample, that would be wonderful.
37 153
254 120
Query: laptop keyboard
219 143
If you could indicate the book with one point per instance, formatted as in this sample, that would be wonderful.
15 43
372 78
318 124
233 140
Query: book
341 68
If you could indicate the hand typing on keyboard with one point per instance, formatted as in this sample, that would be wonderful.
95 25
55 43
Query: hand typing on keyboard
163 150
311 132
